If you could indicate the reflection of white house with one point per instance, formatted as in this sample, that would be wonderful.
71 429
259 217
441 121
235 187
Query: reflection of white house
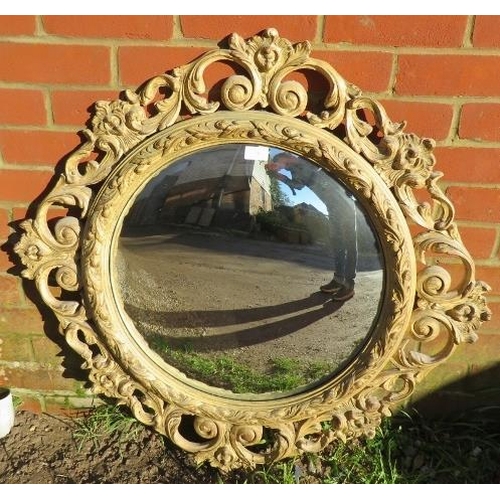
217 186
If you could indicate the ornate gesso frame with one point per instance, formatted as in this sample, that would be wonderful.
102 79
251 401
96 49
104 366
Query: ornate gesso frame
424 313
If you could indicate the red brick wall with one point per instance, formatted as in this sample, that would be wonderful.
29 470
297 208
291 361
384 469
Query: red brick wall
440 73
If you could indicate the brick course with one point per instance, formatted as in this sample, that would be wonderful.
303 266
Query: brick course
54 64
355 67
138 64
131 27
4 220
448 75
72 107
396 31
17 25
469 164
296 28
22 185
480 122
486 31
422 118
25 107
35 147
476 203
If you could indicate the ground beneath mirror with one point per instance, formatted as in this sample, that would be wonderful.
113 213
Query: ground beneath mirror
52 449
107 446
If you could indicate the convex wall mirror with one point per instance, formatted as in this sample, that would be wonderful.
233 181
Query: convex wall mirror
236 265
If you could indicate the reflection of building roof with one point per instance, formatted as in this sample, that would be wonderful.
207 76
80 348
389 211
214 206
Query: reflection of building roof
216 163
219 163
214 168
217 178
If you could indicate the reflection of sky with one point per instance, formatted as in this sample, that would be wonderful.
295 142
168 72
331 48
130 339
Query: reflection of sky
304 195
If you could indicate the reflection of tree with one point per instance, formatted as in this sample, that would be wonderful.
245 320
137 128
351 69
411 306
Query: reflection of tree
301 223
279 221
278 197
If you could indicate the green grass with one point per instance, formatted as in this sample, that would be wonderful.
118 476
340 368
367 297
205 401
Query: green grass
406 450
17 401
224 371
104 421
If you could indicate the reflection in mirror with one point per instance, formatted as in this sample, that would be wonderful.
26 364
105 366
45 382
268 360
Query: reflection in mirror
250 269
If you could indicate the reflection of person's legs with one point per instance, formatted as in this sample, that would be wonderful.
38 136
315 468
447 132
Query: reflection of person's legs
343 235
345 252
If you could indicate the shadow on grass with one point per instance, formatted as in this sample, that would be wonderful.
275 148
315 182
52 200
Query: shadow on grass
450 436
407 449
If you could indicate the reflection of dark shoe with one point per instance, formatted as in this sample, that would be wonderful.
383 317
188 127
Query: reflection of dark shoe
332 287
344 293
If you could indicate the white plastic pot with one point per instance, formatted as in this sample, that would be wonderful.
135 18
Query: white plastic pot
6 412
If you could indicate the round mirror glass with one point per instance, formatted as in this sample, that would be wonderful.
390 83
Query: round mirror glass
250 268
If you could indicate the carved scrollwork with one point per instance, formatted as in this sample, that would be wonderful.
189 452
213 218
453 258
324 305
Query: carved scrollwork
130 139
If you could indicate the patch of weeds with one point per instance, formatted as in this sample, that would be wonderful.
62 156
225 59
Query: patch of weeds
406 449
17 402
104 421
80 391
286 472
369 461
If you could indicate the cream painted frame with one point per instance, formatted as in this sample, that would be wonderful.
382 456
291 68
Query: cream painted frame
126 145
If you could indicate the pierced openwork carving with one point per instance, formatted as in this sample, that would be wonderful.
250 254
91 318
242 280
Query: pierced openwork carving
423 313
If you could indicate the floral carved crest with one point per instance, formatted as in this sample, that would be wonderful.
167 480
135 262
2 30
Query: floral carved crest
170 115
